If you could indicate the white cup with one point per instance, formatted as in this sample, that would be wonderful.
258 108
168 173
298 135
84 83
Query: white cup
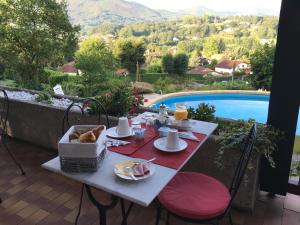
123 126
172 139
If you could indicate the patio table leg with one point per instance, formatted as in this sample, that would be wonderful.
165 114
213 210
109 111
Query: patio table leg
125 213
101 208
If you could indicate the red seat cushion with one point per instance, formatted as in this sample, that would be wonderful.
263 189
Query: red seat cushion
195 196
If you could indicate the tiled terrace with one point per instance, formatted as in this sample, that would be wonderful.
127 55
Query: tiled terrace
41 197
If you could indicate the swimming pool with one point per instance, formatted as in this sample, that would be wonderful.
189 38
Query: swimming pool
234 106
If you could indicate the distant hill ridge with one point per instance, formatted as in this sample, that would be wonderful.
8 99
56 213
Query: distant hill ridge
91 13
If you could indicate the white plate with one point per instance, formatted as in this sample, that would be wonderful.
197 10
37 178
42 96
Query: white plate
111 132
151 168
160 144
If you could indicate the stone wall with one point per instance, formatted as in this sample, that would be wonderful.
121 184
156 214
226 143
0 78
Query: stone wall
41 124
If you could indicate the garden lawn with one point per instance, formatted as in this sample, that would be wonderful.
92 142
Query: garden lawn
9 83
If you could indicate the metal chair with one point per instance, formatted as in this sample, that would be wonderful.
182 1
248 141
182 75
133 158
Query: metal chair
186 194
4 110
74 113
71 118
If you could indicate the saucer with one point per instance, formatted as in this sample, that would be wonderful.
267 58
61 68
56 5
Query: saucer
112 132
160 144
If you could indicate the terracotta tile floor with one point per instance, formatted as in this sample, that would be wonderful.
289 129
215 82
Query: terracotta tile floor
41 197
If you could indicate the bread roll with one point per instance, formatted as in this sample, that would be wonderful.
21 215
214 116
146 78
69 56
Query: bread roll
97 131
87 137
73 136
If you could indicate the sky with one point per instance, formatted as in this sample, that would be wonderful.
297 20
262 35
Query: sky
217 5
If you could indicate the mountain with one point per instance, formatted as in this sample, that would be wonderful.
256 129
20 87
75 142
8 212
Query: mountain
89 13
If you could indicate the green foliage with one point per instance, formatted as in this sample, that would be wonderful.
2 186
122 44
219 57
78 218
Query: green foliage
96 61
203 112
72 88
118 98
165 85
35 34
213 46
168 63
233 136
181 63
295 169
129 52
56 77
94 57
8 83
45 95
213 64
155 67
262 62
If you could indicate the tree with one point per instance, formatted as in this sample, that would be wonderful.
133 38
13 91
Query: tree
211 47
95 60
181 63
35 34
194 59
262 62
129 52
168 63
94 57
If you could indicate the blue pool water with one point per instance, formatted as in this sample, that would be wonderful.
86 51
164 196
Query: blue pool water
235 106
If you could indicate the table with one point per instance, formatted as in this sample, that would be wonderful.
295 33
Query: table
142 192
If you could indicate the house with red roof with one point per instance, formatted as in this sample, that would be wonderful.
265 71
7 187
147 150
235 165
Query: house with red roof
203 71
69 68
229 66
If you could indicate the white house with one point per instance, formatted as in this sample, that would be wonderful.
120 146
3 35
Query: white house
228 66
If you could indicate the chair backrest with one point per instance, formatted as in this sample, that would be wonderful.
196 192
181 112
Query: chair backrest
243 163
78 109
4 109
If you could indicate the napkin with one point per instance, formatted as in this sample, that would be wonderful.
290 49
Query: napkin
188 135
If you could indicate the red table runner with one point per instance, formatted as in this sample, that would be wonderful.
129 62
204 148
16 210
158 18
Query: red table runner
135 144
146 150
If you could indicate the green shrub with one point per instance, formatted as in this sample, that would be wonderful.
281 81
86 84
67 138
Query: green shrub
119 98
9 83
154 68
72 88
56 77
204 112
45 95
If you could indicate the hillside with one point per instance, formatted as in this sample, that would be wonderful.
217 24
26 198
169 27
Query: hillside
90 13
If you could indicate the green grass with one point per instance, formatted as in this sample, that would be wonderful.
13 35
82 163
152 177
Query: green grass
297 145
9 83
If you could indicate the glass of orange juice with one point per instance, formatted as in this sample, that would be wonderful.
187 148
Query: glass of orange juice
181 112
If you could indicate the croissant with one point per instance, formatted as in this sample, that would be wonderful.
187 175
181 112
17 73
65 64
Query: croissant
87 137
97 131
73 136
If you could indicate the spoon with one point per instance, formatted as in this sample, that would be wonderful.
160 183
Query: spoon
128 169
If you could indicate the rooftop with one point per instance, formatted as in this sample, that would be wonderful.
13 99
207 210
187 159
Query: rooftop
200 70
228 64
68 68
41 197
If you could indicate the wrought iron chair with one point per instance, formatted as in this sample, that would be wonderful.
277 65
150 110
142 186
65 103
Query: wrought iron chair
4 110
70 118
73 114
198 198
